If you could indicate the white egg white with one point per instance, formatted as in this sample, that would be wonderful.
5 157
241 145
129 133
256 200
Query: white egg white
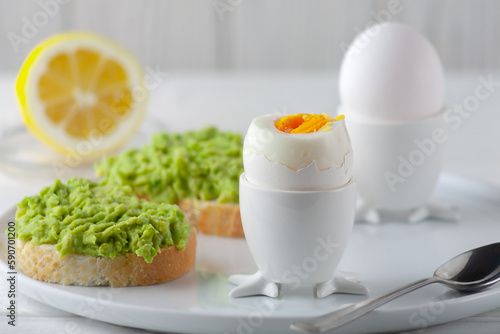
308 161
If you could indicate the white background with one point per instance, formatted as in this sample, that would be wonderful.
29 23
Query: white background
253 35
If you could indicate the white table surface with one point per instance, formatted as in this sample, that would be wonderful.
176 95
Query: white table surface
229 100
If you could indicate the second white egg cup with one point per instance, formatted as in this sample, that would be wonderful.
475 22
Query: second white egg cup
397 167
297 238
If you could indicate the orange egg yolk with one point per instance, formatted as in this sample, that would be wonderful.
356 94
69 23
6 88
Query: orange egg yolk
305 123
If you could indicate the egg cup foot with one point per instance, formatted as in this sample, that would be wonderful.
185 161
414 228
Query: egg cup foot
341 283
441 211
252 285
256 284
433 210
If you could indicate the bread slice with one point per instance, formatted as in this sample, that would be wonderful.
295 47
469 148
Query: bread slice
43 263
210 217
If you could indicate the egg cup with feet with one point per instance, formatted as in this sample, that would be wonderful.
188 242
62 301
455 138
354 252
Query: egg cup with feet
296 238
397 168
391 87
297 203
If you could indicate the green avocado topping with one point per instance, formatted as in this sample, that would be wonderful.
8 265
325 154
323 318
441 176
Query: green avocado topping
204 164
99 219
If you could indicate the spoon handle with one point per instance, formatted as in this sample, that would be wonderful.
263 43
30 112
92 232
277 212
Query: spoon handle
341 317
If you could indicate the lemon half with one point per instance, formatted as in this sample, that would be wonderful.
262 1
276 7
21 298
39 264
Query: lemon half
81 93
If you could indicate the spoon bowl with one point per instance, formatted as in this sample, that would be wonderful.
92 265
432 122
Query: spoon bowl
471 271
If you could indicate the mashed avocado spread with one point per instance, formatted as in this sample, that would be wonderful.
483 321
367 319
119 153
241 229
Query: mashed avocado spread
204 164
99 219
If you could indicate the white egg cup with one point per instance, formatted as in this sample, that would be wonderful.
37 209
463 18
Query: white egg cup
297 238
397 165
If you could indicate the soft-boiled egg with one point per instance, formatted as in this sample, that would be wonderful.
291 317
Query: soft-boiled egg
297 179
297 152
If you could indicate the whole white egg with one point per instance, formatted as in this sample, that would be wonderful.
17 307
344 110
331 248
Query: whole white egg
301 161
391 72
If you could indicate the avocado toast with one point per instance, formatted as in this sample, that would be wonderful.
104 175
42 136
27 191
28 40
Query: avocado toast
91 234
198 170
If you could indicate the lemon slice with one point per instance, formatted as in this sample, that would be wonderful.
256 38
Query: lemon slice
81 94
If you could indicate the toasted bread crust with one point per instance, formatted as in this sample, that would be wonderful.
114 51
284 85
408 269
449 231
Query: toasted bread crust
43 263
222 219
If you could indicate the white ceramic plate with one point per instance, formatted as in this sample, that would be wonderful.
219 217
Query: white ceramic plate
384 257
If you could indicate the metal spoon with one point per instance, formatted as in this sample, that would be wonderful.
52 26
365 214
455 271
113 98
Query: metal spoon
470 271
